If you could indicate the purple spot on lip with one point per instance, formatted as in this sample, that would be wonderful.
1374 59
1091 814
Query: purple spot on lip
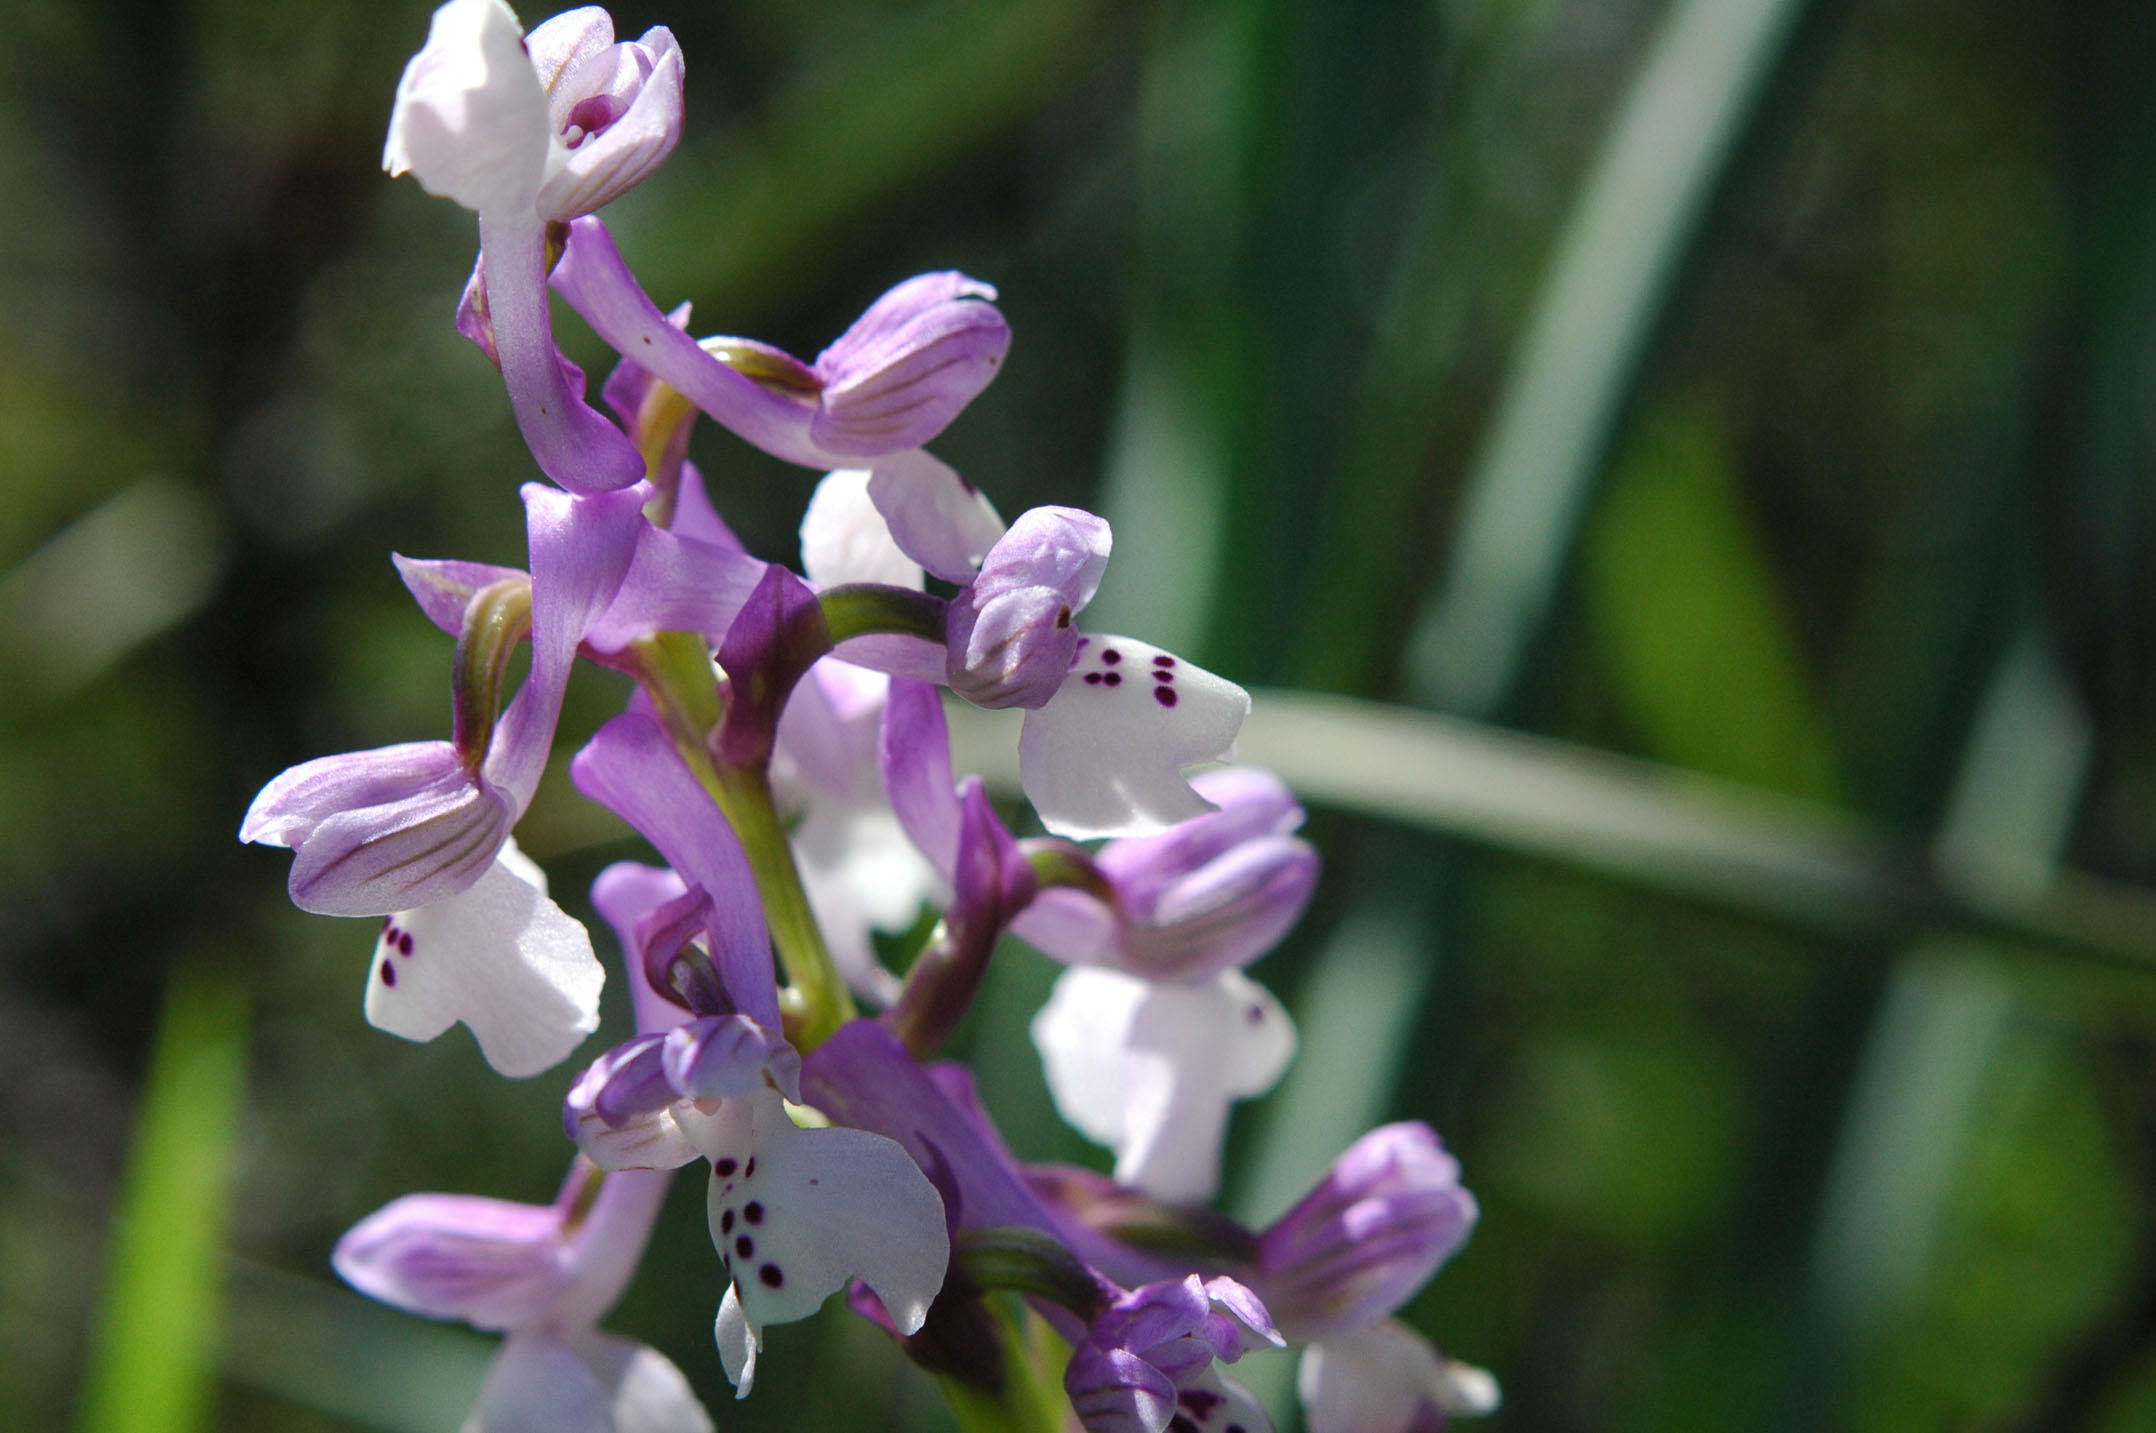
726 1222
1092 679
1113 679
389 974
723 1168
1111 656
1163 676
1164 660
753 1212
404 941
1164 695
745 1247
771 1276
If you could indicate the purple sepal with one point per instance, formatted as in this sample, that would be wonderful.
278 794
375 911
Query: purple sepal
572 442
489 1262
676 583
1214 892
727 1056
1010 638
615 108
581 550
443 587
904 376
1154 1342
506 1266
777 637
1376 1227
631 768
374 832
909 365
621 1086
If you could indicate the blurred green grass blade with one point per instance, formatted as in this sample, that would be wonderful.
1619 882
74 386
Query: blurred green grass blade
154 1352
327 1348
1793 862
1920 1089
1697 640
759 203
1613 267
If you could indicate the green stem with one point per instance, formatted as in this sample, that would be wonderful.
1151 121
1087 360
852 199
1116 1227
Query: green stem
675 668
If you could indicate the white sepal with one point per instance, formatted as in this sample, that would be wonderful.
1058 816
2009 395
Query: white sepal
1149 1069
470 121
501 958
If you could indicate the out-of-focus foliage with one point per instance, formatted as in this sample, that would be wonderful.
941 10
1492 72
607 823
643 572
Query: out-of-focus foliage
1874 525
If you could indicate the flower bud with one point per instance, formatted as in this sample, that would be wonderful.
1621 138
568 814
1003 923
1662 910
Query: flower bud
1151 1345
1359 1245
908 365
613 110
1010 637
1217 891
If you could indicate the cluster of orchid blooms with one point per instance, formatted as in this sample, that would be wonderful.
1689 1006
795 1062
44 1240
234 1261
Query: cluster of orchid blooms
786 754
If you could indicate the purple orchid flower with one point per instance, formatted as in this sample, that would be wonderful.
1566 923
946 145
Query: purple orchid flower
1209 894
525 140
419 833
387 831
795 1213
889 385
544 1275
1334 1268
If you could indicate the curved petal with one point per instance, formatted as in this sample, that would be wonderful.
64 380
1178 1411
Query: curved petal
631 768
501 958
1105 757
572 442
595 279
